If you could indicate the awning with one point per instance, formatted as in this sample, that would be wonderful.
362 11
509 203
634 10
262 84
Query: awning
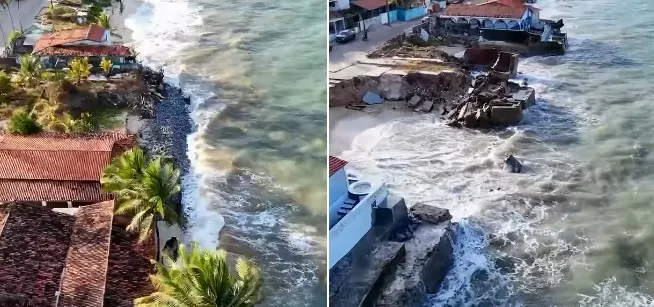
370 4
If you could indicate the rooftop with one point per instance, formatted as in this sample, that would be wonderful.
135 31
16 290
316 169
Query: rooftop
90 262
57 166
493 8
91 32
335 164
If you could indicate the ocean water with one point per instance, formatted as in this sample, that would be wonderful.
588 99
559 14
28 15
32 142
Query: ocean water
575 228
256 72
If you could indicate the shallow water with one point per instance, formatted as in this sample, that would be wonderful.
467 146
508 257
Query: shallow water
575 227
256 73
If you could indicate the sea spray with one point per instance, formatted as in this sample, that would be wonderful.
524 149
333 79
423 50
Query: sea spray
474 278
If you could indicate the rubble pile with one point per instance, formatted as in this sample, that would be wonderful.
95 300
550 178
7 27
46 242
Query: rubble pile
421 91
412 46
492 102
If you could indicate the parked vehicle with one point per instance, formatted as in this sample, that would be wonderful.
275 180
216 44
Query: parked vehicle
345 36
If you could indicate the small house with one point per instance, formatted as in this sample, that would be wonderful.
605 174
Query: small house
93 41
511 15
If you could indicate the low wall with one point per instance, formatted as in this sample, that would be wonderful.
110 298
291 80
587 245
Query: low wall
411 14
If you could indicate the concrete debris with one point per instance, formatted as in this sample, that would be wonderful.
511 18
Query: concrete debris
413 102
430 214
425 107
372 98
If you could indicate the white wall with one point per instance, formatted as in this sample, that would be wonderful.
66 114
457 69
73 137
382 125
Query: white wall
337 186
340 5
353 226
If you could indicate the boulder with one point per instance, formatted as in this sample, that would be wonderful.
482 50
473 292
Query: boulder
413 102
372 98
505 115
512 164
426 106
454 123
392 87
430 214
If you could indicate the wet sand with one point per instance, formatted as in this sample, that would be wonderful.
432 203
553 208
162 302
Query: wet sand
345 124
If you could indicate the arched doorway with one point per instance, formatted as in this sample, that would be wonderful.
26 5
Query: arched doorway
487 24
500 25
474 23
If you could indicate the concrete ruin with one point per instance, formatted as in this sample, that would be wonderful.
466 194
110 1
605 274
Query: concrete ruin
401 260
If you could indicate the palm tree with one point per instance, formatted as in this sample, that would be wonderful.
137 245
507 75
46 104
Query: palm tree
5 4
30 69
104 21
143 190
202 278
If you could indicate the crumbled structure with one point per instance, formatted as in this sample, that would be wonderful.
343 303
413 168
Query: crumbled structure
492 102
57 169
55 259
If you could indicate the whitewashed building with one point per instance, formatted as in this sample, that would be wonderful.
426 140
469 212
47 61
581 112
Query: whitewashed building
512 15
352 202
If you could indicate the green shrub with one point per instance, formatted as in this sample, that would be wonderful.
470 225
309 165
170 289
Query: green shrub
22 122
5 83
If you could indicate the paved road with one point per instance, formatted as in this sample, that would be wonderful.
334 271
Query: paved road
345 55
22 16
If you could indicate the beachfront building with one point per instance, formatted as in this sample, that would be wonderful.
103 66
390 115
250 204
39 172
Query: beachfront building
57 170
352 207
511 15
93 41
50 258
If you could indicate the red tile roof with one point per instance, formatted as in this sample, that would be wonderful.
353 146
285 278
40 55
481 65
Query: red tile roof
495 9
101 265
51 190
85 51
34 241
91 32
129 269
59 166
87 261
335 164
370 4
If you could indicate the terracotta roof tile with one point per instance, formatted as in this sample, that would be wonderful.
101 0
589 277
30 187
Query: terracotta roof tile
91 32
129 269
33 246
494 8
87 261
67 166
51 190
86 51
335 164
104 266
53 165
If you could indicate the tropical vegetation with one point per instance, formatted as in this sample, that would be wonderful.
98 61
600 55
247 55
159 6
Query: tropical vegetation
21 122
145 189
30 70
203 278
78 69
106 66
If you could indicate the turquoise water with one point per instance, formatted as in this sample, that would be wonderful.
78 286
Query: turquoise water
257 73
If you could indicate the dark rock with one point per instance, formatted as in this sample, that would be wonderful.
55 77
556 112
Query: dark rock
454 123
430 214
512 164
413 102
470 120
